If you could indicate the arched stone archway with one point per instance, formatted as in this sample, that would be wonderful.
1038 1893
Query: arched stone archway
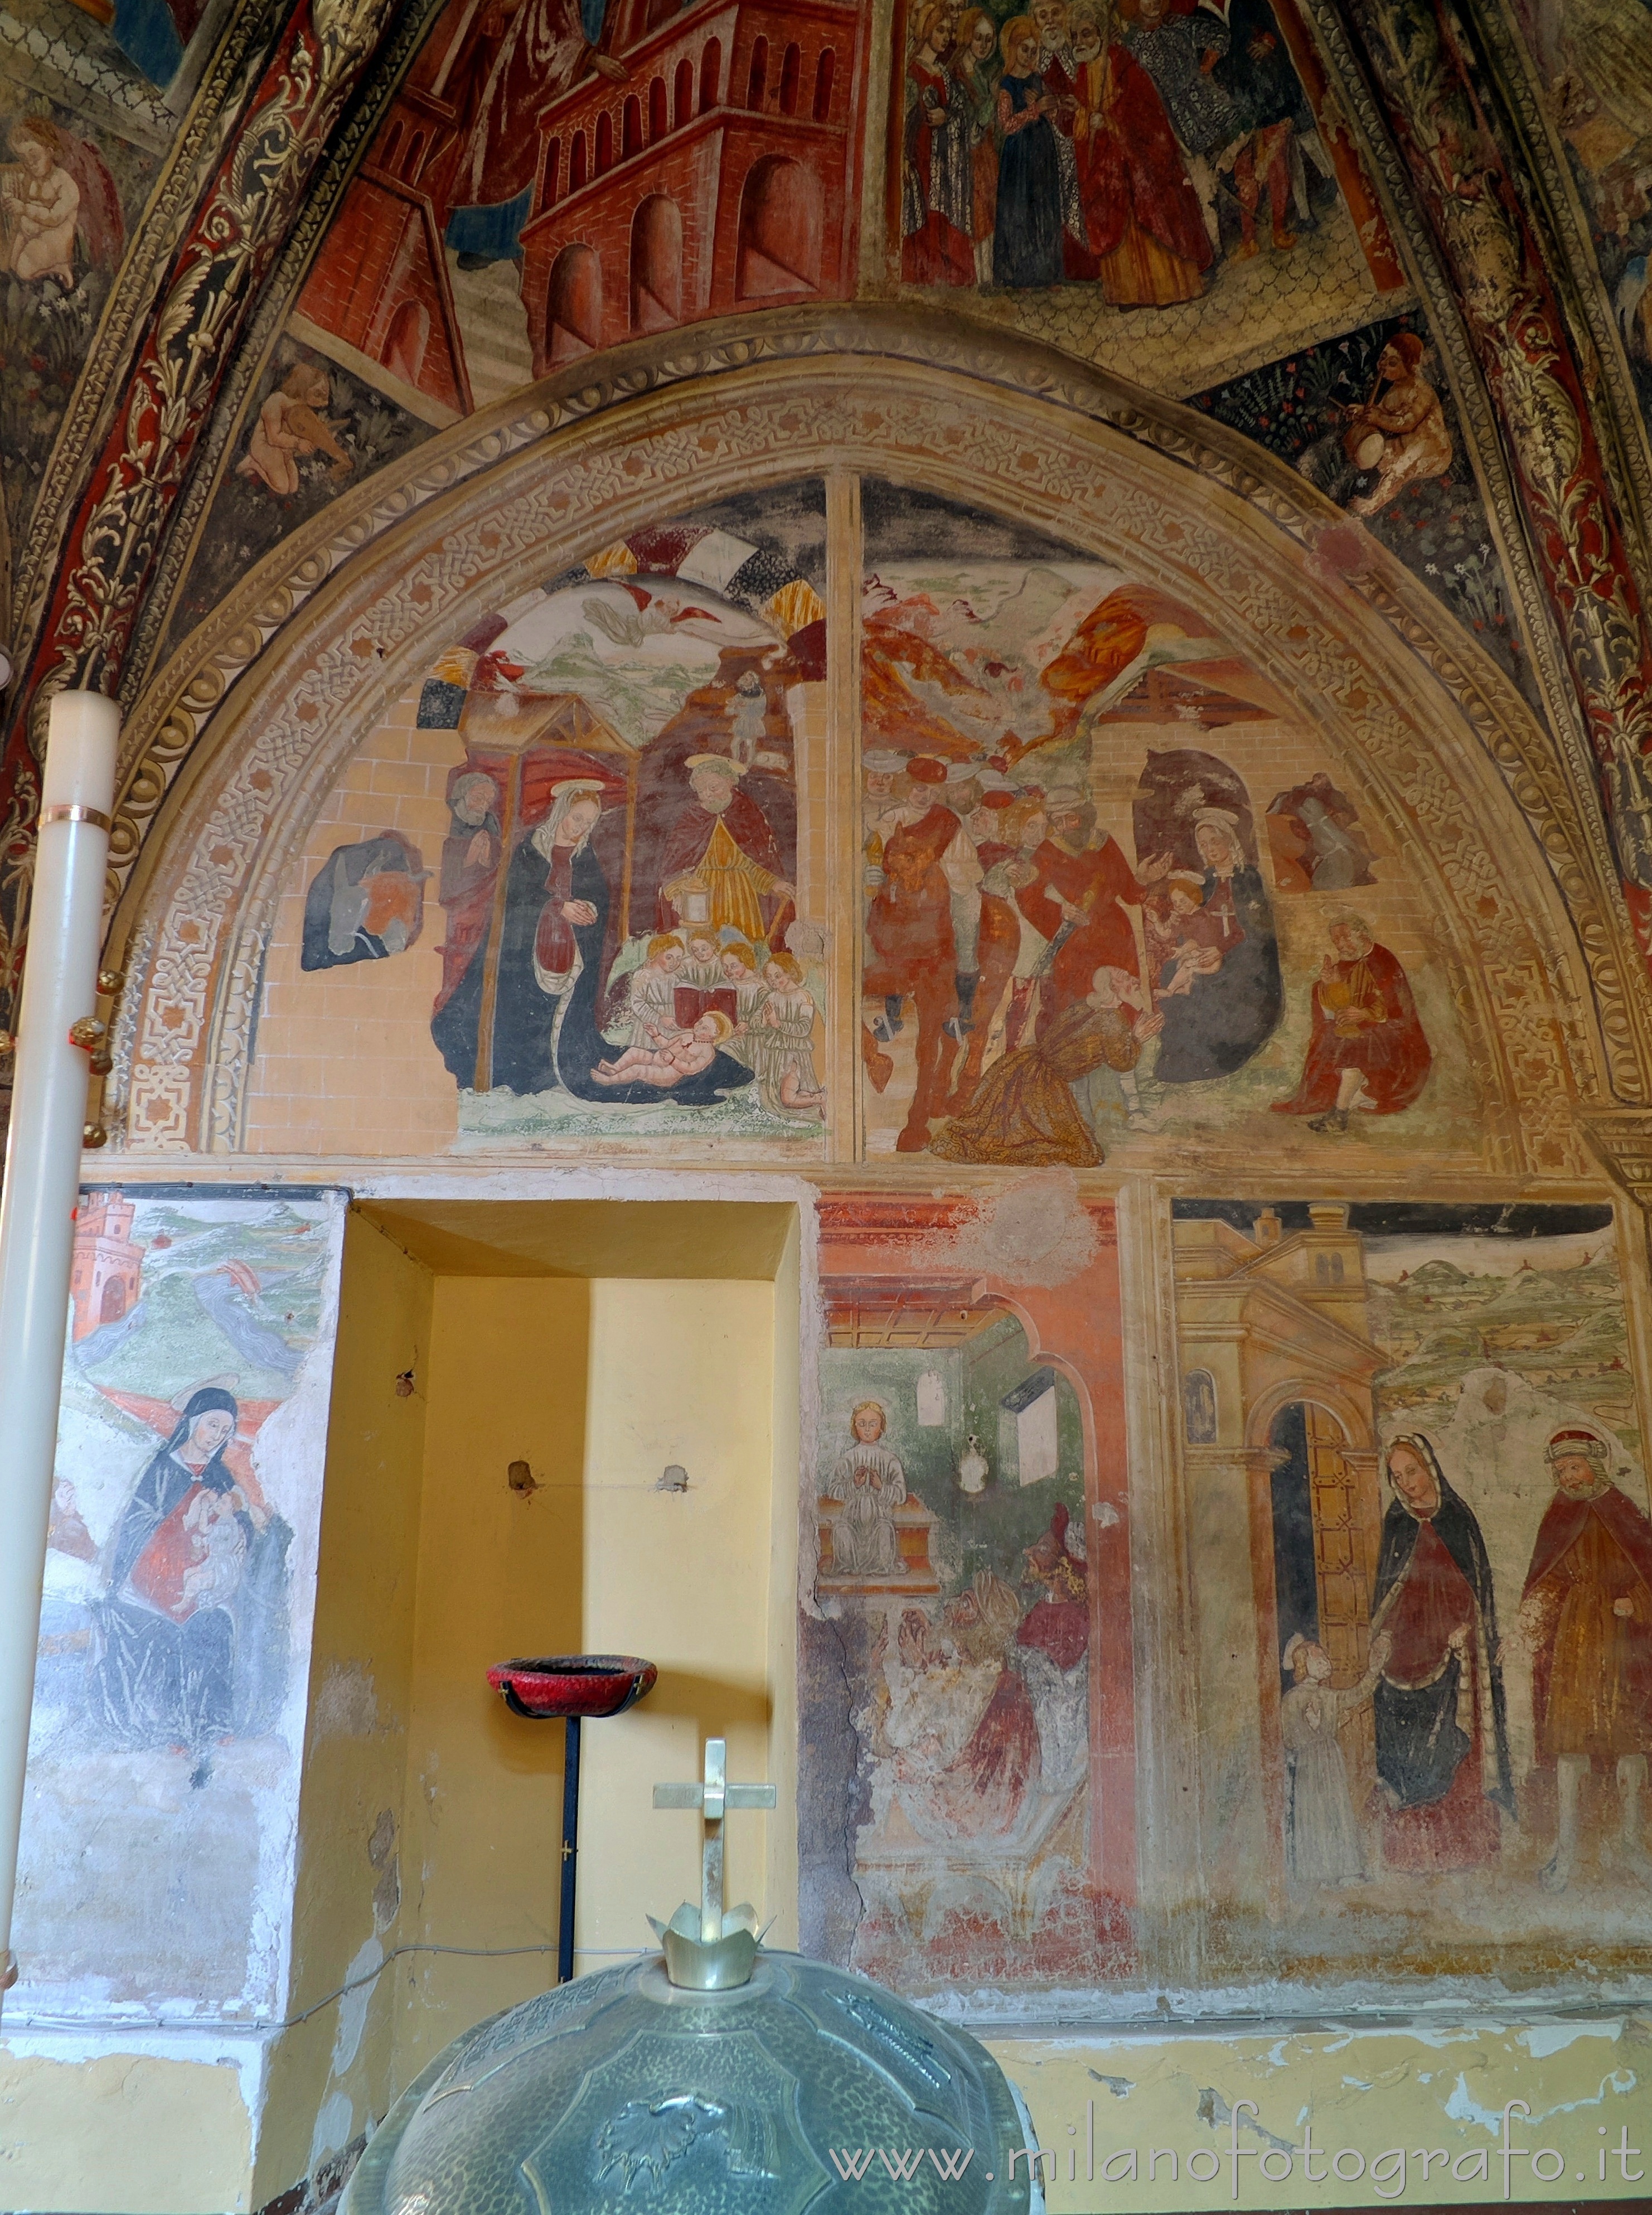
1455 760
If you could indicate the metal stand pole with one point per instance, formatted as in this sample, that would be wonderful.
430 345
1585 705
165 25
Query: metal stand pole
37 1214
570 1848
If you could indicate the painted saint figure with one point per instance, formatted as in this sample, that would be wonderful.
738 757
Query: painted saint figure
871 1482
470 868
1077 901
936 194
1443 1742
721 846
1229 1009
1367 1051
191 1633
1147 245
1024 1114
1027 235
1586 1617
1324 1841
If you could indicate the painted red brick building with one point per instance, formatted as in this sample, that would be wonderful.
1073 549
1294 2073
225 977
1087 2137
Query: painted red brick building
720 173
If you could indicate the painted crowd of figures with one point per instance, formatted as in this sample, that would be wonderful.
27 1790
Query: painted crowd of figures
1132 145
1435 1680
1006 923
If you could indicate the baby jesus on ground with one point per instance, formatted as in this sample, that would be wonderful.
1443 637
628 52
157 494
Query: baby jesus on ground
677 1054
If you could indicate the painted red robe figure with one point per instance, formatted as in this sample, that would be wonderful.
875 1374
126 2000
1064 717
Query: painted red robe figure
1089 887
913 954
1148 243
470 870
1587 1616
722 838
1058 1623
936 246
1367 1051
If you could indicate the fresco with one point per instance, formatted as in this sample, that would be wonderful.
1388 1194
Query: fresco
1072 921
312 427
170 1685
90 96
607 825
966 1672
550 180
1368 421
1070 164
1450 1574
70 190
1592 69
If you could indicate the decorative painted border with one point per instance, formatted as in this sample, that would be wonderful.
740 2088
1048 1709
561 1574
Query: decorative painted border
177 712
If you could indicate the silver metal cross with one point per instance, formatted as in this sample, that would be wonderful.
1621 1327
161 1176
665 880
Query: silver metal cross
715 1798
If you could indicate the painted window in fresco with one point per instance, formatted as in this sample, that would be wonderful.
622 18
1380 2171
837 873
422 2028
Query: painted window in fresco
1092 905
1452 1595
967 1700
170 1684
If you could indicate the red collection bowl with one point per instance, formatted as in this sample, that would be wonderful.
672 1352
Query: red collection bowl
573 1684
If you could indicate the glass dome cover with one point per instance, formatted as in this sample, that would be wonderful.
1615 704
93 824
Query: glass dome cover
805 2088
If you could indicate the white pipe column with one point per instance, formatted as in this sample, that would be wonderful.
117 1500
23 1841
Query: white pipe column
37 1209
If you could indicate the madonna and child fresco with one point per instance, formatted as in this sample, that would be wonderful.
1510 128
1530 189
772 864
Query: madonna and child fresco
172 1665
1459 1593
622 949
1071 928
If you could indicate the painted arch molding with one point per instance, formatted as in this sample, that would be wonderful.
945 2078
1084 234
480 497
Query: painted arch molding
232 750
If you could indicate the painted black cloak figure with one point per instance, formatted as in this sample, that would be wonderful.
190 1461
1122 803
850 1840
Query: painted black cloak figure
547 985
1442 1729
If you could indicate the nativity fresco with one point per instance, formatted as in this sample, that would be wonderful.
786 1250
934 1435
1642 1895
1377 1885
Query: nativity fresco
1451 1568
1082 920
964 1684
171 1682
606 846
